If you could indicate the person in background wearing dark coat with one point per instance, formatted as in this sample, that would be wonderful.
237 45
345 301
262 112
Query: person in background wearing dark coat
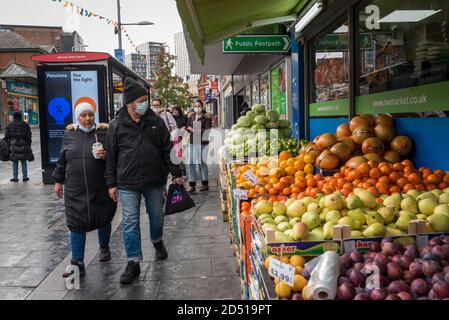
138 164
81 168
180 118
18 133
198 126
245 108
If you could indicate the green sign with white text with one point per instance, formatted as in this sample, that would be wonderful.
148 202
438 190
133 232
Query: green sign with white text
340 42
257 44
431 97
338 107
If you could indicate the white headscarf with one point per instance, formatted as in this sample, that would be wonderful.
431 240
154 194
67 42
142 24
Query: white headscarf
84 106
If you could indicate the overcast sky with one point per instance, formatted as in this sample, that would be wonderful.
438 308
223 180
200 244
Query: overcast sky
95 32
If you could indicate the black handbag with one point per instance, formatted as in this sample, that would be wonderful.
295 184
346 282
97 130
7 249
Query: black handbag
178 200
4 149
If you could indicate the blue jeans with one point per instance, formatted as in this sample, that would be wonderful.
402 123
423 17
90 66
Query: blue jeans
197 156
130 202
78 241
15 168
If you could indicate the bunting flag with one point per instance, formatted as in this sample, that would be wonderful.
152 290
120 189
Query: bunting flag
89 14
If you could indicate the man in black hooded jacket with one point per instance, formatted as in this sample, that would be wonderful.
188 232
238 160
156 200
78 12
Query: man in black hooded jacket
138 163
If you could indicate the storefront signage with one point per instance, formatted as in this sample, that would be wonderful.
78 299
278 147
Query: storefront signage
257 44
338 107
71 57
19 88
340 42
431 97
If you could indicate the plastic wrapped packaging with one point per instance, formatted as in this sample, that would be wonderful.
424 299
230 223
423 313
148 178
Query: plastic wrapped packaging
324 271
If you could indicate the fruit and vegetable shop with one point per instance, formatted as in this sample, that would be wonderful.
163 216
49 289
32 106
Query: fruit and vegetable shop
334 174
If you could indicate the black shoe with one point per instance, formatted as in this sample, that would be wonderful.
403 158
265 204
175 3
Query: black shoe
80 266
26 179
161 252
105 254
132 272
14 180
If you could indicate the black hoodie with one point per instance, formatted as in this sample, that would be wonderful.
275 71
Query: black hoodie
138 154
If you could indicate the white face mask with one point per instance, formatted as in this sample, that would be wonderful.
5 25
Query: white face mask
198 110
141 108
157 110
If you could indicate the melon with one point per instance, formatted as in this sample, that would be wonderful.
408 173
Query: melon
402 145
384 132
359 121
342 151
373 145
343 130
362 133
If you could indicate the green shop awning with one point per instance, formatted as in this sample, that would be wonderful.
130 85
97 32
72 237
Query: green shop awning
210 21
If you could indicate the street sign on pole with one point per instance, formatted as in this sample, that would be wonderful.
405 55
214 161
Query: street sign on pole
257 44
120 55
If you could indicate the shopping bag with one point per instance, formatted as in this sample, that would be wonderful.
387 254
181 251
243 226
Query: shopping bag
4 150
178 200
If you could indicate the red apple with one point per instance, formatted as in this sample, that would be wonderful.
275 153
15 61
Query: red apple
405 296
415 269
441 289
378 294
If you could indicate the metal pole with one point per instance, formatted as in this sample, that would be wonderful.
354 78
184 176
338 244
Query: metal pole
119 26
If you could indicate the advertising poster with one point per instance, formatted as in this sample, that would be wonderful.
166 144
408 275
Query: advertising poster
64 91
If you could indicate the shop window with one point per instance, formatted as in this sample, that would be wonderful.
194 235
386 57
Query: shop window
330 57
255 92
404 57
279 90
265 91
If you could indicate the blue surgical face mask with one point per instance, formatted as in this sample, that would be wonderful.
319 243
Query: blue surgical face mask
87 130
141 108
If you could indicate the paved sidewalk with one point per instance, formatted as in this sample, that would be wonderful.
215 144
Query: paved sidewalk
34 249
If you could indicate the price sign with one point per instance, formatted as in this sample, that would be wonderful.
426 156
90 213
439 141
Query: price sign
250 177
241 194
284 272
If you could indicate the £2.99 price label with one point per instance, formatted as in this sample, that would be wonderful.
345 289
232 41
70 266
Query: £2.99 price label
250 177
284 272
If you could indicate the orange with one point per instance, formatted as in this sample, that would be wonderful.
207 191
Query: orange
290 170
384 179
291 162
394 176
309 169
279 186
431 187
395 189
407 187
285 180
414 178
364 169
309 158
385 169
443 185
286 191
283 164
299 164
284 155
433 179
401 182
398 167
299 283
297 261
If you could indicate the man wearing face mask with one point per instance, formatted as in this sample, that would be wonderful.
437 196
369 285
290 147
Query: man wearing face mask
138 163
168 118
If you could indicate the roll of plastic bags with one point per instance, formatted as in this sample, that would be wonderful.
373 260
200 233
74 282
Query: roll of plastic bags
324 271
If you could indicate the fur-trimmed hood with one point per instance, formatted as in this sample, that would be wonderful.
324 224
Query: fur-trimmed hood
100 126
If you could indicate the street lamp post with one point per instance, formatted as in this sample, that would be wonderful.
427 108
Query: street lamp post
118 28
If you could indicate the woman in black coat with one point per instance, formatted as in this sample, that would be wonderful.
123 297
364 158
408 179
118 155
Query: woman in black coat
81 168
18 133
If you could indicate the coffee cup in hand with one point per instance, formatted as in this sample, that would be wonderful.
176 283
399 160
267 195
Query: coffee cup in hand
96 147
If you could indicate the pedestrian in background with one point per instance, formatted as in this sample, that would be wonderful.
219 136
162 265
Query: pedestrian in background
168 118
81 169
18 134
180 118
198 143
138 163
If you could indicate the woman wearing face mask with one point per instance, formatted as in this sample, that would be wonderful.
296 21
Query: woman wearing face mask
81 169
198 126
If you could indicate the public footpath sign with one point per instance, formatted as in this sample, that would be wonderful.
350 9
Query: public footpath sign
257 44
